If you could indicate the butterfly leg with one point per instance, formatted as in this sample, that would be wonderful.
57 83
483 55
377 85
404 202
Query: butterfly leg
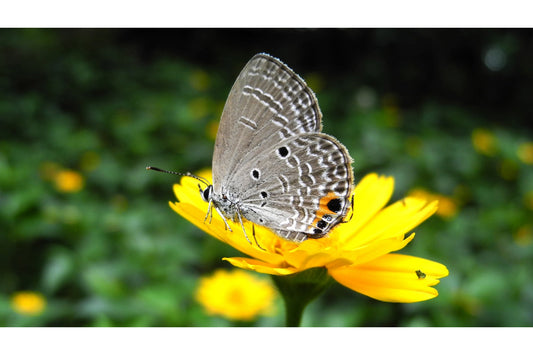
242 226
223 218
255 239
209 211
351 215
210 214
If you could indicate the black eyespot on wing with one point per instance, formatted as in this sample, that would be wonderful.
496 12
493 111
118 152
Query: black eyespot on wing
317 231
335 205
255 174
264 194
322 224
283 152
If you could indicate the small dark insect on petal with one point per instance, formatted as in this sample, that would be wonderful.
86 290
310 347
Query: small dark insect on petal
420 274
321 224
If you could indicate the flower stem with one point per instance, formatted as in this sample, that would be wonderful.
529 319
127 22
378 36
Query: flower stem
299 289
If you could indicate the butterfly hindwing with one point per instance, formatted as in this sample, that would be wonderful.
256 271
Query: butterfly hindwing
301 187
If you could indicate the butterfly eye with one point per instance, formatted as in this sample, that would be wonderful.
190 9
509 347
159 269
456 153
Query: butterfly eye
206 194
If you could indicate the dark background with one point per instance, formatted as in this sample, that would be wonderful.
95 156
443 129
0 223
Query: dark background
108 102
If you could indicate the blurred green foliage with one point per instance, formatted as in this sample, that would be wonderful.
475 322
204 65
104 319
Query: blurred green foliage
103 104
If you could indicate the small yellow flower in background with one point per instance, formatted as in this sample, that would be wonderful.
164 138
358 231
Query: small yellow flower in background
200 80
64 180
525 153
447 205
236 295
524 235
357 254
68 181
484 141
28 303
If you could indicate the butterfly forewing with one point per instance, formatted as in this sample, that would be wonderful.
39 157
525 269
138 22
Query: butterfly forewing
267 103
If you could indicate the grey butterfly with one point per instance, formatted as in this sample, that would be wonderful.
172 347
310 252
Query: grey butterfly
272 165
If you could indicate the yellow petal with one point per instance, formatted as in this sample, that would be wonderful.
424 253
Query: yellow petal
398 218
315 249
235 238
370 195
393 278
260 266
378 248
193 208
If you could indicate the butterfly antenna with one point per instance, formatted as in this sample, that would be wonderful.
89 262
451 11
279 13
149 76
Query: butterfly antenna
199 178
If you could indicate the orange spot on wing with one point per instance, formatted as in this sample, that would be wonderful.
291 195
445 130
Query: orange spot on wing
323 208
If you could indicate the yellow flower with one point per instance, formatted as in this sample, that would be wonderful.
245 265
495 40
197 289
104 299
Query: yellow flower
357 253
28 303
68 181
236 295
525 153
484 141
447 205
